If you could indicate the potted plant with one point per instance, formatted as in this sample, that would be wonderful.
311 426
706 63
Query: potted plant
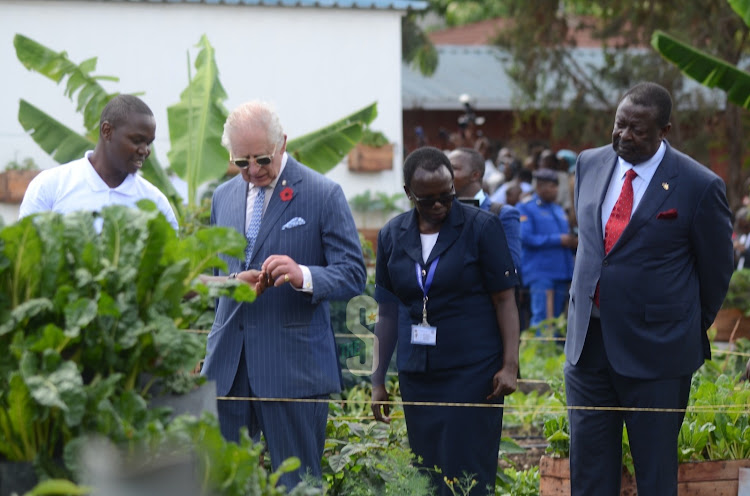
374 210
16 178
713 444
733 320
91 324
373 153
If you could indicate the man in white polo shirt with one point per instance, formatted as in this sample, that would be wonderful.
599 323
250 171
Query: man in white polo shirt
107 175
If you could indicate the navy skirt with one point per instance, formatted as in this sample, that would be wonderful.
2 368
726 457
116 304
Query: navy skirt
457 440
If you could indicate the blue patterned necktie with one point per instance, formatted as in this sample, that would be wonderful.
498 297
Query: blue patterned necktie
254 227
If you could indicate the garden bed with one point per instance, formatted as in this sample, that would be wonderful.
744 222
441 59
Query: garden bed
715 478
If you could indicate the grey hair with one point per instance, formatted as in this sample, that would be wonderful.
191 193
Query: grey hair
253 114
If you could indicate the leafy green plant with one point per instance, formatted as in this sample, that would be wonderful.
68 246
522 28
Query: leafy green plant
372 138
708 70
738 293
511 482
58 487
26 164
91 324
525 413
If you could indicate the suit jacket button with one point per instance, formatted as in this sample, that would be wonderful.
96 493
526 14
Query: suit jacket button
242 327
605 263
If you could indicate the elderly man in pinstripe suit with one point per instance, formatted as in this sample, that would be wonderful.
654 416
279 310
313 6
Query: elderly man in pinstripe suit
303 250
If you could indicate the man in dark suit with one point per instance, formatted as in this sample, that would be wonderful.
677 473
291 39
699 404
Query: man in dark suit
303 250
652 269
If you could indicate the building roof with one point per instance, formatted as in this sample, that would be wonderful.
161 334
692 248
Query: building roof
342 4
485 32
480 72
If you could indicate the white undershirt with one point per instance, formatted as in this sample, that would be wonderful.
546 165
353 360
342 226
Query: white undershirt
428 243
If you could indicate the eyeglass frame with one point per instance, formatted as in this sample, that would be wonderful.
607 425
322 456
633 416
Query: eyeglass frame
255 159
443 199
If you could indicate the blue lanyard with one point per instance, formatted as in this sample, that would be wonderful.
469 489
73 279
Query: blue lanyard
425 287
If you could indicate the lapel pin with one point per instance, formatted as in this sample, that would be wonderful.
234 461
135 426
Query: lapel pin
283 182
665 186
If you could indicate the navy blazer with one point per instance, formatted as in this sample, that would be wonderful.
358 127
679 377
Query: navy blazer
664 280
510 217
474 262
287 334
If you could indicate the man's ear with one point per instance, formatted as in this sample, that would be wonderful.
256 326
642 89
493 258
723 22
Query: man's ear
105 130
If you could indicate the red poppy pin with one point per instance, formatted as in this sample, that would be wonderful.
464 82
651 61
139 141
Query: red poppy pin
286 194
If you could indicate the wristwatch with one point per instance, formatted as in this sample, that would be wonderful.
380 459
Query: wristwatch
233 275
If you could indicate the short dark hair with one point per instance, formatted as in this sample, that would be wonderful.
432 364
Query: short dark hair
427 158
652 95
476 160
121 107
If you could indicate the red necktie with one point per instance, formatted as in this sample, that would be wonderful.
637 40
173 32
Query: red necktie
619 218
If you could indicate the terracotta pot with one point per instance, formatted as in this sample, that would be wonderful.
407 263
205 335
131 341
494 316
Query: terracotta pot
715 478
13 184
370 159
725 322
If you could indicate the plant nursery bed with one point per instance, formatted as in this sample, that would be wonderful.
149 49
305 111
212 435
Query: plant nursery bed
714 478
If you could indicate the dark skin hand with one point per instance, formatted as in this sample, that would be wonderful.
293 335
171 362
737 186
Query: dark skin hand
505 380
380 411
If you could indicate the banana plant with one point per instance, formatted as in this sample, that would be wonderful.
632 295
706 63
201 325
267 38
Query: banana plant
60 142
195 122
707 69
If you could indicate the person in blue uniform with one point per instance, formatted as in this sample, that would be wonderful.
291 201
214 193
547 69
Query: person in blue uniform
444 282
547 261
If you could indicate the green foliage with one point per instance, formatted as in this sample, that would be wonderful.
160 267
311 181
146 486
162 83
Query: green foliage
90 324
372 138
322 149
379 202
369 458
511 482
526 413
416 48
719 426
738 294
196 124
58 487
26 164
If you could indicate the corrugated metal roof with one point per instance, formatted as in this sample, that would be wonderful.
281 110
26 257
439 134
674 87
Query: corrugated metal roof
342 4
479 71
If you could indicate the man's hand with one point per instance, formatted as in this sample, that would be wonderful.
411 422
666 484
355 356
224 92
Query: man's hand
504 382
380 394
255 279
280 269
569 241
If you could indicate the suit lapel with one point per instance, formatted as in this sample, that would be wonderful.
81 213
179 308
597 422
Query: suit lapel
654 197
409 236
601 185
448 232
290 177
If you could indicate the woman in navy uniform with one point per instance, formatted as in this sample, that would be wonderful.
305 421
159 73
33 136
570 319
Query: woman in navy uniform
445 288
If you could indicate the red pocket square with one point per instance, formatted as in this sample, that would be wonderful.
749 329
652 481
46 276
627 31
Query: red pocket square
667 214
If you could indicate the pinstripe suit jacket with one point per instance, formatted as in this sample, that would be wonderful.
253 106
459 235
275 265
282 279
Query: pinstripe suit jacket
286 334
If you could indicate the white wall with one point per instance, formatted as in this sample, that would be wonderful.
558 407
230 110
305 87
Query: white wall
315 65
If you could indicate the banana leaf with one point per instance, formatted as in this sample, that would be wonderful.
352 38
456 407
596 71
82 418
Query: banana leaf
742 8
704 68
59 141
321 150
56 66
196 124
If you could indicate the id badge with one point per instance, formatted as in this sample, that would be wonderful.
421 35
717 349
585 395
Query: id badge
423 334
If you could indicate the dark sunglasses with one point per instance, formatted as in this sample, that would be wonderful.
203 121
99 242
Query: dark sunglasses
261 160
429 202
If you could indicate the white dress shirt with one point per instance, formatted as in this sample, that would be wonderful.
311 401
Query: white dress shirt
645 171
